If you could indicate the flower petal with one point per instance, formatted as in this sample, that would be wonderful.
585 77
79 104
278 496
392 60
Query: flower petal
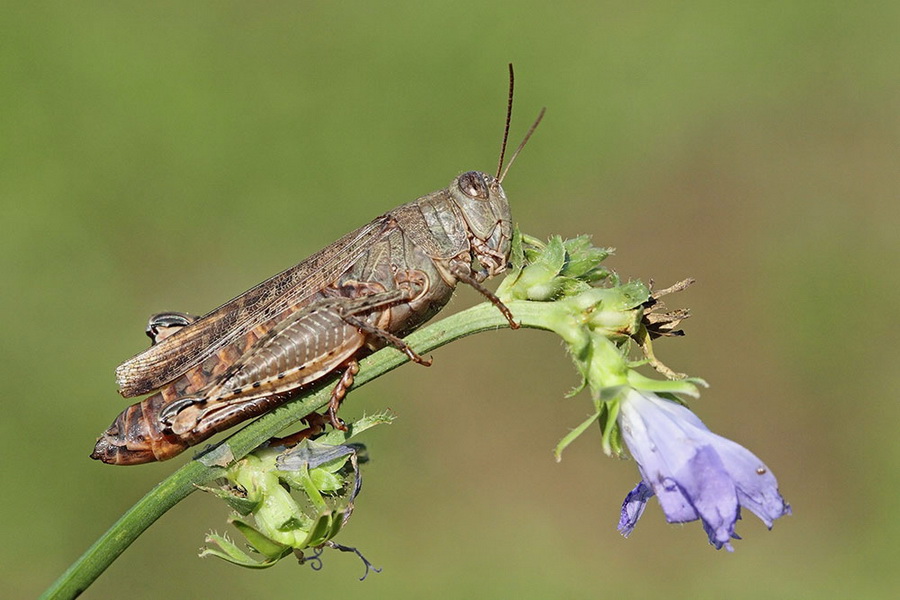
633 507
695 473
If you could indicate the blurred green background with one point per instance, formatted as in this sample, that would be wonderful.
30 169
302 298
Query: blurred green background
168 156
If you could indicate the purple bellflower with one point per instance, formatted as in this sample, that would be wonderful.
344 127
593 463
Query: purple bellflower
695 473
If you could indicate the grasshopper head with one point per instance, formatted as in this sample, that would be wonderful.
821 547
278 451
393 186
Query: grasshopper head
485 209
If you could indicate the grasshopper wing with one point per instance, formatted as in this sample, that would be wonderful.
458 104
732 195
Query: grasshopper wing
199 340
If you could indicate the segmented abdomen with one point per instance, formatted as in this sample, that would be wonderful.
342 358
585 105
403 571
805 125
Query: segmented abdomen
298 350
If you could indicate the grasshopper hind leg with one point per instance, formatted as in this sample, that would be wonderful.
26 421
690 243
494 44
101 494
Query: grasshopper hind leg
339 391
197 419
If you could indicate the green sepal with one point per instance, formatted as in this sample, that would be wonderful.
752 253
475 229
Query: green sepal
583 260
516 254
677 387
336 436
545 272
536 280
324 478
326 481
578 388
611 435
573 435
259 541
326 526
228 551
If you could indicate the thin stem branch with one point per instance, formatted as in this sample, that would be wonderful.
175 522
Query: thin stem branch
185 480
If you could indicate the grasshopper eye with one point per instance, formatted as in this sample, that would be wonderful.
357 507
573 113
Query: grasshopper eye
472 185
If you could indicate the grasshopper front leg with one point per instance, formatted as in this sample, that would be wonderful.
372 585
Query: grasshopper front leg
463 272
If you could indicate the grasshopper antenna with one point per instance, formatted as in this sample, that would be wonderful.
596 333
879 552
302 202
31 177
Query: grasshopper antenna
501 172
522 145
509 105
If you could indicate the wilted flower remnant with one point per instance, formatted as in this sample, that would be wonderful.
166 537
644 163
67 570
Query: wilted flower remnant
298 498
695 474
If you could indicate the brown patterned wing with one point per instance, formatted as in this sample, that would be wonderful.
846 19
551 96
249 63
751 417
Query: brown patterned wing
196 342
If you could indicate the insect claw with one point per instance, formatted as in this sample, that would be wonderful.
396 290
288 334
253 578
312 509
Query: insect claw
504 310
416 357
336 421
513 324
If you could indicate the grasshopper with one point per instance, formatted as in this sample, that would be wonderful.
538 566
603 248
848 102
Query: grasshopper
313 321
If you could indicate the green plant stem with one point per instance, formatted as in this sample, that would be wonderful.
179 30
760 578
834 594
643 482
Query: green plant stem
180 484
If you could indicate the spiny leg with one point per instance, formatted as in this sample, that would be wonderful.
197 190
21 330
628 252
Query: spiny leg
390 338
385 300
316 424
294 353
467 278
339 391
